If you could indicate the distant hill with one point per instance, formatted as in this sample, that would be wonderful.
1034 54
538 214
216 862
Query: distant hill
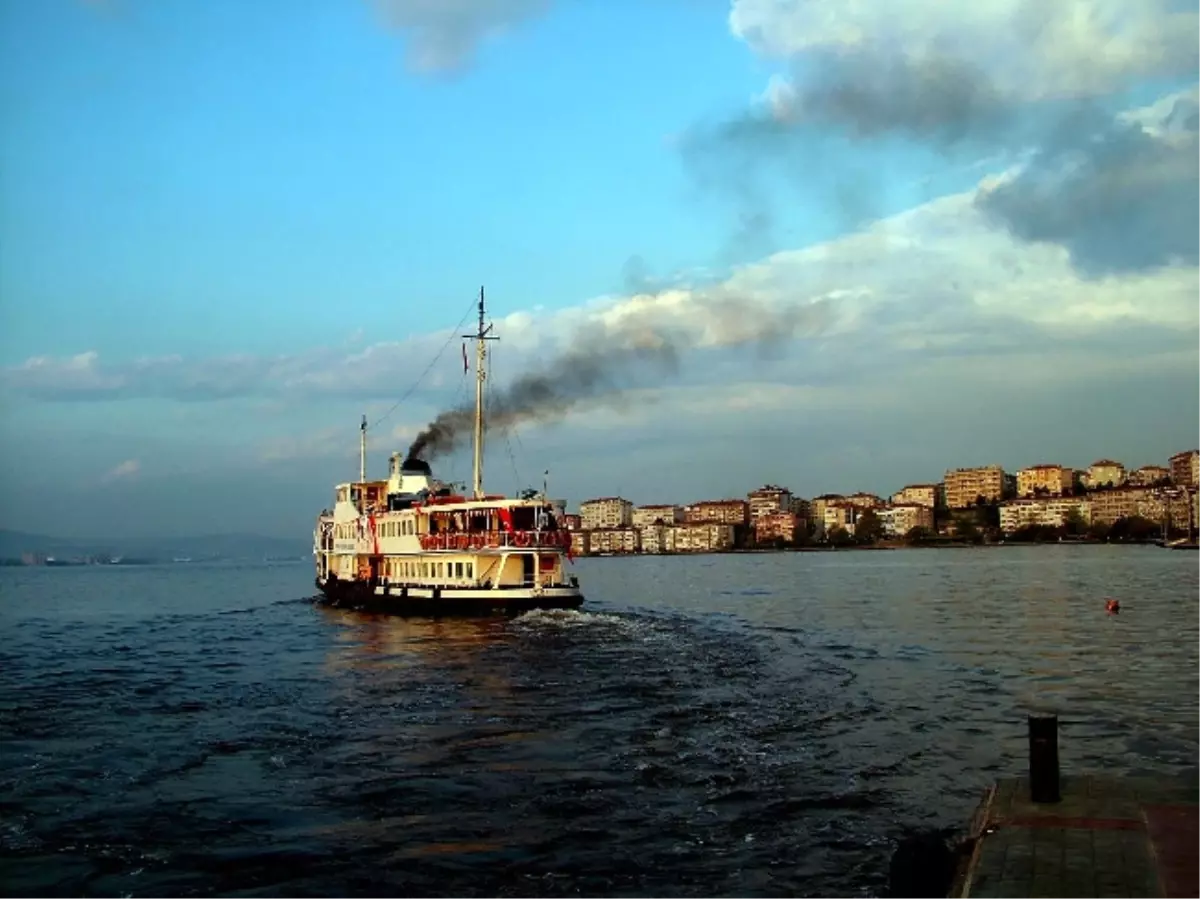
202 546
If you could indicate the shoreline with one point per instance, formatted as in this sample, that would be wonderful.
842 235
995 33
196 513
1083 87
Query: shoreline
878 547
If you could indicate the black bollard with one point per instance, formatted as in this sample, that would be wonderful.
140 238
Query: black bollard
1043 758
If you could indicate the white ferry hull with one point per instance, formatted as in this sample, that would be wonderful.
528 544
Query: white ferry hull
403 599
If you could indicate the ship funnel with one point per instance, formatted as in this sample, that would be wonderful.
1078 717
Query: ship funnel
415 466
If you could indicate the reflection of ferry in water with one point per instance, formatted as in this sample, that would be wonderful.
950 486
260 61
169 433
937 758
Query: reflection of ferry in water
409 544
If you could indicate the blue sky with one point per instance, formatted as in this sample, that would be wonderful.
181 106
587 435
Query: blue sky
232 176
229 228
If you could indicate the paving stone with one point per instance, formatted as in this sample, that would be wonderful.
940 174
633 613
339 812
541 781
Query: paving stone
1096 842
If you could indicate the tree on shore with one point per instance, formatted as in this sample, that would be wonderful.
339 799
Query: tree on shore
868 528
918 535
1073 523
839 536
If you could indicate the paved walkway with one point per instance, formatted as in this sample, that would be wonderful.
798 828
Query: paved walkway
1107 837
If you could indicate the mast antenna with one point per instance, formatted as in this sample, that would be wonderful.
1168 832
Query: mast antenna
481 336
362 451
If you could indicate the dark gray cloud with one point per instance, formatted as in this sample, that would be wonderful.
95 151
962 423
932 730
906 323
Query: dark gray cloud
1116 196
792 146
444 35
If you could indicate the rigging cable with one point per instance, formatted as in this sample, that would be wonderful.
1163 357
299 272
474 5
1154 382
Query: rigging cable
504 430
411 390
459 401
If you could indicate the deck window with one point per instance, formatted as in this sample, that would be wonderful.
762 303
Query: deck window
458 571
470 569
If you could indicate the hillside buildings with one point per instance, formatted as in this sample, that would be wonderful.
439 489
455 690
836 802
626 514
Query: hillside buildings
1046 495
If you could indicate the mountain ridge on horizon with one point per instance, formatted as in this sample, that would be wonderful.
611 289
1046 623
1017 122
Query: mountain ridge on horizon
13 543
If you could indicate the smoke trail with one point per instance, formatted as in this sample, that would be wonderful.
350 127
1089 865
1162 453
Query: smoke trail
645 335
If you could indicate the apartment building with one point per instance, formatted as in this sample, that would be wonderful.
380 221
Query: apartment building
964 486
930 495
1104 473
866 500
840 514
613 540
779 525
1185 468
1122 502
572 522
1149 476
900 518
653 538
1049 511
699 538
1172 504
606 512
662 514
768 498
817 510
801 508
718 511
1045 480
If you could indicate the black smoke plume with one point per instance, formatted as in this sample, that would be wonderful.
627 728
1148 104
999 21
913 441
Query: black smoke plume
648 337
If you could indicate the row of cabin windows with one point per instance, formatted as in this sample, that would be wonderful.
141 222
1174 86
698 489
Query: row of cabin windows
398 568
387 529
403 527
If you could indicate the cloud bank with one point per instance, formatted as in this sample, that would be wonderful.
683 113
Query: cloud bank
1035 88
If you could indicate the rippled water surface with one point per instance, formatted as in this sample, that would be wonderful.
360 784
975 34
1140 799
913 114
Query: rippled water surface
720 725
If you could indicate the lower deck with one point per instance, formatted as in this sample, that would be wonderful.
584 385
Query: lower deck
449 571
434 600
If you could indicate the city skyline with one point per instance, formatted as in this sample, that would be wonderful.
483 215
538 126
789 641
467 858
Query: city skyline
1164 463
797 244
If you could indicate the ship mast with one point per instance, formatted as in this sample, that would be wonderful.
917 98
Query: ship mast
362 451
482 335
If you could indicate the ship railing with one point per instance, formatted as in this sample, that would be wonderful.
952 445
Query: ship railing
479 540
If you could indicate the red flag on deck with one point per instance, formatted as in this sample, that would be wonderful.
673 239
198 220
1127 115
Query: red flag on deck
466 367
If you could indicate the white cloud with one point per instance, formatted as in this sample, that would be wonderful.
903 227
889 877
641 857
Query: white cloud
124 471
1064 48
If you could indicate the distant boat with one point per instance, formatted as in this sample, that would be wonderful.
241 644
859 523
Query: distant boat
182 559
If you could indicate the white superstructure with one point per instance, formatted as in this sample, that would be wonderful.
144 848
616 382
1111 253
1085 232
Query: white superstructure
408 543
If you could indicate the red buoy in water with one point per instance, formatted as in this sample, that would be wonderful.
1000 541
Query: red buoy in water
1112 607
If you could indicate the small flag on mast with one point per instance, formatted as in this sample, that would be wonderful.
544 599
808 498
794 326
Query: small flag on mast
466 367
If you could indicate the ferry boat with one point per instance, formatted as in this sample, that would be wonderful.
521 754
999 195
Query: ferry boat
410 544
